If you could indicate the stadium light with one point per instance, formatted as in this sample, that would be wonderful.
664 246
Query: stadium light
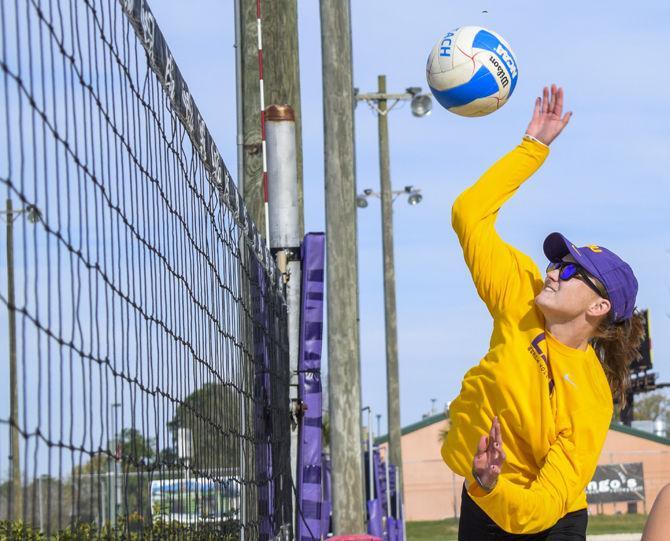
421 105
413 194
414 198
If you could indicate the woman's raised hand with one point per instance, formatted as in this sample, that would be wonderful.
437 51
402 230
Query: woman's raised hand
547 122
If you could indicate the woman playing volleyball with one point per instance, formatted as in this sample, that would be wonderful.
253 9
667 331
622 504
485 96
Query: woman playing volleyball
559 351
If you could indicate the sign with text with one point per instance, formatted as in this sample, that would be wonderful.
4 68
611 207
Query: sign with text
616 483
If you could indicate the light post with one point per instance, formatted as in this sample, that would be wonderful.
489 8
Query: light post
32 213
421 105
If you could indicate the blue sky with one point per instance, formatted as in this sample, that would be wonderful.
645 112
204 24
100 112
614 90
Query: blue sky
606 180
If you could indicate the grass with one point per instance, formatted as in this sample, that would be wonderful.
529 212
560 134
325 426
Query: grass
447 530
616 524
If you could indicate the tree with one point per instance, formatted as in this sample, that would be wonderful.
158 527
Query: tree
653 407
135 448
212 414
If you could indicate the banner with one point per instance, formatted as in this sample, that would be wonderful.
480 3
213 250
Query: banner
616 483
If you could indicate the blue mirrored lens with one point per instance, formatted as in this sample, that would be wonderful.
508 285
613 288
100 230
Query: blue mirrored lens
568 271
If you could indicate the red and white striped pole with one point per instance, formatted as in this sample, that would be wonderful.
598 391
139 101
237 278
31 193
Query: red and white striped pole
262 96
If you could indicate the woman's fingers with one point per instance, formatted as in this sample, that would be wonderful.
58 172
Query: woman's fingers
497 432
554 99
537 109
558 107
566 119
483 445
545 99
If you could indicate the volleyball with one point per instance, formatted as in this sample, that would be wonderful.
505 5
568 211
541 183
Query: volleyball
472 71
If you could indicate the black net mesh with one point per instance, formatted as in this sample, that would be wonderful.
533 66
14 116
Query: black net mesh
144 358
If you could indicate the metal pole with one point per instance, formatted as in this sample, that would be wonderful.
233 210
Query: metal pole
392 376
285 238
371 494
39 495
342 277
370 456
388 485
103 503
397 493
114 499
379 429
243 471
16 496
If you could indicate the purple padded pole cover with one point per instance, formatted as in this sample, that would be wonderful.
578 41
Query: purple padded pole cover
310 499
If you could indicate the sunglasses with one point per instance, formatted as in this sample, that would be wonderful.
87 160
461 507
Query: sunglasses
568 270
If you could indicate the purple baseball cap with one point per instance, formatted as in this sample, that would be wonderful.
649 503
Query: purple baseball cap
612 271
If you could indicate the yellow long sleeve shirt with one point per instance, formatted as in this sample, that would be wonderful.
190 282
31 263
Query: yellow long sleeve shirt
553 402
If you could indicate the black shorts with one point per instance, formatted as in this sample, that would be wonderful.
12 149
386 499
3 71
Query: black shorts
475 525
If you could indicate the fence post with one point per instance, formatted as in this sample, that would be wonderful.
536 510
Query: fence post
285 237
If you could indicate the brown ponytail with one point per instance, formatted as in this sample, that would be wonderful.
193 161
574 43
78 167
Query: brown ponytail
617 346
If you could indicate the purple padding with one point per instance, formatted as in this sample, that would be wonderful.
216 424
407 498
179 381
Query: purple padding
391 529
375 523
380 479
310 492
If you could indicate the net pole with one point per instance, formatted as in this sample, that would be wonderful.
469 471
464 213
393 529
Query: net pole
285 243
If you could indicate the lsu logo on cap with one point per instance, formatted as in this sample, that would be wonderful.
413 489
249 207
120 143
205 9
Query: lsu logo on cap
594 248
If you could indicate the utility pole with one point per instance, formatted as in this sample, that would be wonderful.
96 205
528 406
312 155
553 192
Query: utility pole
390 315
251 185
421 106
342 277
16 497
282 72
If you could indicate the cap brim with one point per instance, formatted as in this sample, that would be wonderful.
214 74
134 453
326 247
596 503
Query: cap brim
556 247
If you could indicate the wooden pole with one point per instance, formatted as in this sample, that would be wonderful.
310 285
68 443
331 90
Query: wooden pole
282 72
252 151
390 315
342 276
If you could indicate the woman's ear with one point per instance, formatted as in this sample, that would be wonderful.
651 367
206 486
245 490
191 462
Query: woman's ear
599 308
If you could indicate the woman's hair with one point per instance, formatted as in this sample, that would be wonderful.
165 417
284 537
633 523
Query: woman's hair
617 346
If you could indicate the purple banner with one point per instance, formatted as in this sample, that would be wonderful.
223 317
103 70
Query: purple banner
310 474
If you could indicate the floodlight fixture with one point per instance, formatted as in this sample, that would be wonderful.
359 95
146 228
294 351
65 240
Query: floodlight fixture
421 105
415 198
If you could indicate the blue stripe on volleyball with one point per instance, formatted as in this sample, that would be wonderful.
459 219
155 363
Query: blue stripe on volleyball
481 85
487 41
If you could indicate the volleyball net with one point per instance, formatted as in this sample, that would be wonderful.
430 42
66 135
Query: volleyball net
144 351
